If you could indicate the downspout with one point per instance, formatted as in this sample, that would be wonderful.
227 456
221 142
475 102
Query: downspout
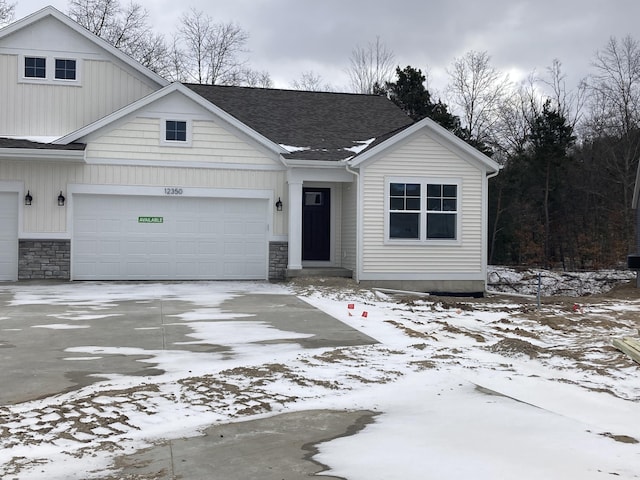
358 220
485 253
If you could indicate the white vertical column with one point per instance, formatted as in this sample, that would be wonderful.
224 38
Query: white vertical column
295 225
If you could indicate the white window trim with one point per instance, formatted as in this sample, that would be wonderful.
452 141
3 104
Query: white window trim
50 70
175 143
423 240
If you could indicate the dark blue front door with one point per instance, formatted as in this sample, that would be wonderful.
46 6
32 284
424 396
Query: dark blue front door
316 224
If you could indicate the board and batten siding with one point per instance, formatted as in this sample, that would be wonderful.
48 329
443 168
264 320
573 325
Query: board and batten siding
422 157
54 109
45 181
139 139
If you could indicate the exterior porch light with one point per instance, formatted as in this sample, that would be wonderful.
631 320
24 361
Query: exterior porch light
61 199
279 205
28 198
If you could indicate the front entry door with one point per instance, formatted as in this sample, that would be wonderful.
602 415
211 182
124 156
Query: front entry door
316 224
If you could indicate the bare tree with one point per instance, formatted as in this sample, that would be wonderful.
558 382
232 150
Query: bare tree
7 12
568 102
615 86
126 28
248 77
614 119
176 69
477 89
311 81
226 42
195 30
371 67
213 49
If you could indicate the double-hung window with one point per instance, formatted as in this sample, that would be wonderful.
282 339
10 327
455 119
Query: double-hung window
422 209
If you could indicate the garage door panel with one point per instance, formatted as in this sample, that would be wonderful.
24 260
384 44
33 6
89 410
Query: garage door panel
169 238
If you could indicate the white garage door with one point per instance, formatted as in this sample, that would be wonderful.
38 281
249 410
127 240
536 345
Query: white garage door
168 238
8 236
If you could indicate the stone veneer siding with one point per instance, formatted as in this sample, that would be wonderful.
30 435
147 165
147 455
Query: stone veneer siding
278 260
44 259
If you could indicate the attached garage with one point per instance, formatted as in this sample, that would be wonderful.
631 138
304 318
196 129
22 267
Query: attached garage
131 237
8 236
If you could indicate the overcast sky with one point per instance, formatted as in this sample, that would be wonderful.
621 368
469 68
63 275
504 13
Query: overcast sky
288 37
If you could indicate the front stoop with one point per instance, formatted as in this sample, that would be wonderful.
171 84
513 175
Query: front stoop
320 272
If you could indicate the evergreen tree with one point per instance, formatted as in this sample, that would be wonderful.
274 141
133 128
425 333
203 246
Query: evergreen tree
410 94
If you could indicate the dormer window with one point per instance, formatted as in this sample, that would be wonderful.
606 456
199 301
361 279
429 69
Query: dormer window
65 69
35 67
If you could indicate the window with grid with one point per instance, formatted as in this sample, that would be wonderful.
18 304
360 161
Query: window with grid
65 69
176 131
35 67
404 210
442 210
421 209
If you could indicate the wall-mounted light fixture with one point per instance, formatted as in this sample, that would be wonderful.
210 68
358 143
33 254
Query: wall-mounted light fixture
279 205
61 199
28 198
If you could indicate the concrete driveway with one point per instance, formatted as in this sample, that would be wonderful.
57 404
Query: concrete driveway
57 338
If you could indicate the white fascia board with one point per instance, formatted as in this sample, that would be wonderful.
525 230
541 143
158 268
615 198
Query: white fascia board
51 11
76 156
441 134
314 163
310 174
152 97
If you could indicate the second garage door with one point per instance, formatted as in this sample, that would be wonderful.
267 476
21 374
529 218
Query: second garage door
168 238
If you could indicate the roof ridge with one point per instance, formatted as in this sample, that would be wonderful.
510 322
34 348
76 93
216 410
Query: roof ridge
291 90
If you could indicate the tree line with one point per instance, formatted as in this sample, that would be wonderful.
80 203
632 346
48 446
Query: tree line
569 155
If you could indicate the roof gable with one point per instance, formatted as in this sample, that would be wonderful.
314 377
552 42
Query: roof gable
438 133
162 97
309 125
31 29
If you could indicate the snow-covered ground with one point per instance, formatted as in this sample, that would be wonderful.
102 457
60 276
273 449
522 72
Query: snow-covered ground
483 389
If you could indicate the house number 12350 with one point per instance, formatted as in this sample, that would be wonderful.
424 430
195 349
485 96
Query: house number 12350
172 191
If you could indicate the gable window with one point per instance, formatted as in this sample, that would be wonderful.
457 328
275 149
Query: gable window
422 209
50 70
65 69
35 67
176 131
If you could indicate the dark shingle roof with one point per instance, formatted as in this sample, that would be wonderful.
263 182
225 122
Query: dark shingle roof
325 124
21 143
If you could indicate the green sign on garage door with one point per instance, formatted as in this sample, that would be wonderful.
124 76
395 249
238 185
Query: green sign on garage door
150 219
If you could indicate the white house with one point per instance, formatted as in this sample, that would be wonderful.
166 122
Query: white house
109 172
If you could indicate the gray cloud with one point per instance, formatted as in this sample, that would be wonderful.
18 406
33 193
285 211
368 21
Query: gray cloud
288 37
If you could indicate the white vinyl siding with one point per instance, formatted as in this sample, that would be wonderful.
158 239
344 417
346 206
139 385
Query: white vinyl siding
46 180
349 225
141 139
58 109
422 157
8 236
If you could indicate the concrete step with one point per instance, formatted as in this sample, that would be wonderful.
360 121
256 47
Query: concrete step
320 272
